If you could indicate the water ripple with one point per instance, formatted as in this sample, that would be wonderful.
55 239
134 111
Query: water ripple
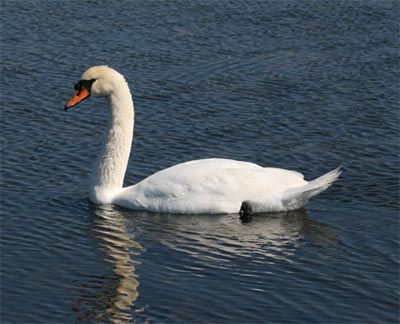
300 85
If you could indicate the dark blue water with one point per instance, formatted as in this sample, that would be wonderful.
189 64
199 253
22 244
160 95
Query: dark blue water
303 85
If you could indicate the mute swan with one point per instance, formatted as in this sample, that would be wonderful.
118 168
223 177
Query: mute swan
209 186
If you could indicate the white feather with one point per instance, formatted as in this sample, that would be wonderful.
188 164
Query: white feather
209 186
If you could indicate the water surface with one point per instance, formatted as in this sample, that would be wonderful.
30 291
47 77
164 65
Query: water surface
303 85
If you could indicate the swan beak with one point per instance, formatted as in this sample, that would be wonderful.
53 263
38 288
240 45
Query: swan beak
79 96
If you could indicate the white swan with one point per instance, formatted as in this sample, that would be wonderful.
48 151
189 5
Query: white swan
209 186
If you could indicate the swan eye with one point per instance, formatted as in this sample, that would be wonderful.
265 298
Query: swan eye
84 83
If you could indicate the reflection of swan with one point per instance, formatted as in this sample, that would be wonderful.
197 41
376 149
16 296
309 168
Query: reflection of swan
219 239
117 245
211 186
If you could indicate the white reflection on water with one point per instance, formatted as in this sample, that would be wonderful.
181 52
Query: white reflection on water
219 238
215 241
111 298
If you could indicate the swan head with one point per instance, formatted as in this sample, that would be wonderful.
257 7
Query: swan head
95 81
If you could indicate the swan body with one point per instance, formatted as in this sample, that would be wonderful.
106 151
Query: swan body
208 186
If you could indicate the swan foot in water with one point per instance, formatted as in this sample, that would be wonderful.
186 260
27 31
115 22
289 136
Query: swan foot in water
246 210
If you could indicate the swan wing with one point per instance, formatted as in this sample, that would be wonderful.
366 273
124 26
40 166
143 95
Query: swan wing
208 186
296 197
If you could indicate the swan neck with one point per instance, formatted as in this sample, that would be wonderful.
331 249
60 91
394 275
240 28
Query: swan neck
109 172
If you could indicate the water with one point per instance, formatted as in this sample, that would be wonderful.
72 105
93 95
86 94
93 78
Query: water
304 85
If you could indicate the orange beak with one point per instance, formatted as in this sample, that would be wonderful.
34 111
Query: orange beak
79 96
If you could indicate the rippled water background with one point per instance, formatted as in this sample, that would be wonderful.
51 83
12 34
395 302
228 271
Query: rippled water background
304 85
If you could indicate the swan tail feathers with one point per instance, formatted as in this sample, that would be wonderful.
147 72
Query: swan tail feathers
296 197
